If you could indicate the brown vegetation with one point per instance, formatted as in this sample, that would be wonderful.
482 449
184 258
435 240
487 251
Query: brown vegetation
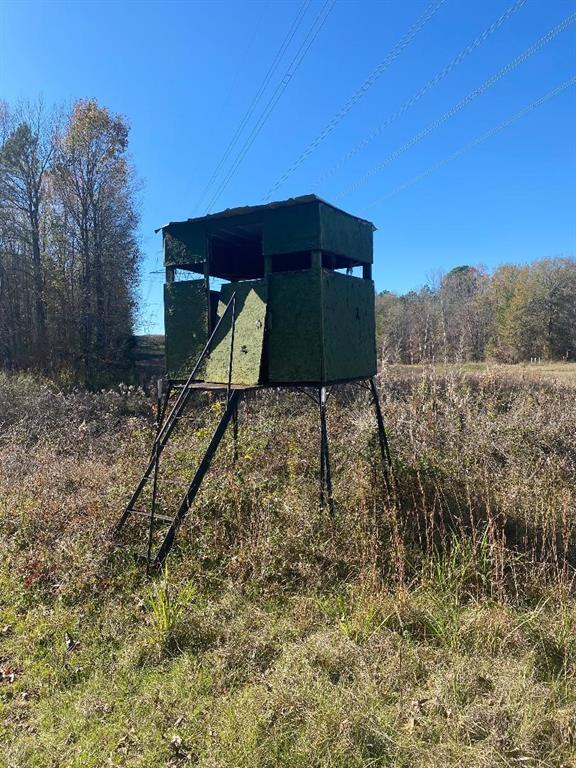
432 628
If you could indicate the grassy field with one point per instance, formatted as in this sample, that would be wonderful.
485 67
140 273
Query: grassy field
563 373
148 357
431 626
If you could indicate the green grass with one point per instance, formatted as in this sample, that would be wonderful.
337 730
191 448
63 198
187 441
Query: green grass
433 629
356 678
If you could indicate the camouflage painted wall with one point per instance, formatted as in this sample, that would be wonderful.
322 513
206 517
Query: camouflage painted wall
306 326
345 235
295 327
349 327
251 299
186 324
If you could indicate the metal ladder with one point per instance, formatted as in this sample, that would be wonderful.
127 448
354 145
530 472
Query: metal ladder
165 430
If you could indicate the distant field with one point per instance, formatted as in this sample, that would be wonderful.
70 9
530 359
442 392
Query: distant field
149 360
562 372
149 355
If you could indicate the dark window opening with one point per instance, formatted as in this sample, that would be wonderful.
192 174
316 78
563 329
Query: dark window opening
215 285
214 301
354 271
337 263
291 262
236 253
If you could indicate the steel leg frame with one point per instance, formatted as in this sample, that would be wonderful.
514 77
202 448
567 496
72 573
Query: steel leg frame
325 472
161 406
382 437
231 414
235 432
321 400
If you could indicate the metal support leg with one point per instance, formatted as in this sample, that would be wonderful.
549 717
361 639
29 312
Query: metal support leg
382 438
325 474
161 405
162 399
152 509
322 470
235 432
159 393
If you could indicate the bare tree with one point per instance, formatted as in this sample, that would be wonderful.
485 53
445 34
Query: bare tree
25 158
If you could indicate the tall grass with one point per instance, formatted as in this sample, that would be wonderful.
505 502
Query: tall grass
432 626
484 470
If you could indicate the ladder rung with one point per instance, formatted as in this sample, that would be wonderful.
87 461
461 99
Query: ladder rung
145 513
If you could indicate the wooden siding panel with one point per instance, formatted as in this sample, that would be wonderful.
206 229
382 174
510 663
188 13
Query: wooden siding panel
349 327
251 301
186 324
295 327
345 235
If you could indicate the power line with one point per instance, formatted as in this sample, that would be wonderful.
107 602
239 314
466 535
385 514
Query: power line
152 274
238 69
305 46
479 140
242 62
280 88
486 85
146 296
258 95
438 77
372 78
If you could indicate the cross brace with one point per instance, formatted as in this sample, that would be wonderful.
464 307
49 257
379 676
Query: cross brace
190 495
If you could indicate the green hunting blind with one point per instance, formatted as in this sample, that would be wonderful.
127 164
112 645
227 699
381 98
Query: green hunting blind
289 312
301 316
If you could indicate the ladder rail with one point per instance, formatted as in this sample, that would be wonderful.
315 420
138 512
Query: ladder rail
194 487
171 420
185 393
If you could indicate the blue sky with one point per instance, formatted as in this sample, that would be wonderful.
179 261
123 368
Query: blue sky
184 74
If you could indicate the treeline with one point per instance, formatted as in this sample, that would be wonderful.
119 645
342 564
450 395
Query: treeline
517 313
68 249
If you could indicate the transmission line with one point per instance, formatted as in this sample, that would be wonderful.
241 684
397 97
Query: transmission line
258 95
479 140
226 100
486 85
242 62
438 77
376 73
305 46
